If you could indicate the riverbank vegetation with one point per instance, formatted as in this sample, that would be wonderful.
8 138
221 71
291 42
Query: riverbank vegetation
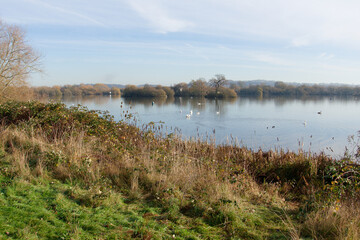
73 173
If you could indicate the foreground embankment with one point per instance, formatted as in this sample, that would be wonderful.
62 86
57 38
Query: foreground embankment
73 173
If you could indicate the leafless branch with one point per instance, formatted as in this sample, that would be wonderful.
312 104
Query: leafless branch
17 58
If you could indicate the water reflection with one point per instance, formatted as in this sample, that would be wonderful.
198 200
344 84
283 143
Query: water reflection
198 105
148 102
93 99
281 100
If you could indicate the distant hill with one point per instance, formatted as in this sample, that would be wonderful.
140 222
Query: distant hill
248 83
115 85
271 83
124 85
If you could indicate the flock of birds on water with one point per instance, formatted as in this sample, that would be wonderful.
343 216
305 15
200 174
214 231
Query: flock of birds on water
188 116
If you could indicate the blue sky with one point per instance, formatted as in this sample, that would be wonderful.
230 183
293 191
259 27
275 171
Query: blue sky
167 41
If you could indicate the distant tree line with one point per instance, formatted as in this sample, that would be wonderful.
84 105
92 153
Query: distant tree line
76 90
214 88
217 87
283 89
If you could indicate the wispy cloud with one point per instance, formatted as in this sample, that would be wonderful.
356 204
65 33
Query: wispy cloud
300 41
105 44
326 56
270 59
66 12
273 39
157 16
295 23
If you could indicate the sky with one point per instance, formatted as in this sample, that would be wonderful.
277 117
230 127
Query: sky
166 41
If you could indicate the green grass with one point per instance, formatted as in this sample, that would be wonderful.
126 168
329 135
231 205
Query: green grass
48 209
42 209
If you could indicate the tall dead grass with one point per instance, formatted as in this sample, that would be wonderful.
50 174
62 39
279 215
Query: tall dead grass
338 221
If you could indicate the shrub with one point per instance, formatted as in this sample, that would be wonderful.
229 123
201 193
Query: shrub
223 93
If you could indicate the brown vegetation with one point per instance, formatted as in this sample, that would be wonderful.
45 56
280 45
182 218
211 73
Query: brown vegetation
147 91
194 178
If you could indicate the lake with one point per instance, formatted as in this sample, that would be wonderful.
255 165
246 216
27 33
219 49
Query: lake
315 124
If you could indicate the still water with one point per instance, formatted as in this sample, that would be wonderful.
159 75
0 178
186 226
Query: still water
317 124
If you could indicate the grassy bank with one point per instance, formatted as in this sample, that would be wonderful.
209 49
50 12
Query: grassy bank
77 174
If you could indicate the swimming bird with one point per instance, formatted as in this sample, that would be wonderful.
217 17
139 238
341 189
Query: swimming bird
304 123
198 113
188 116
319 112
217 113
191 112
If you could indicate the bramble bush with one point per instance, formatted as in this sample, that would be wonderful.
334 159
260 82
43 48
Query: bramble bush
58 121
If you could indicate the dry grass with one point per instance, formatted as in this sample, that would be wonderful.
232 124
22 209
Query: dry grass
201 170
339 221
162 169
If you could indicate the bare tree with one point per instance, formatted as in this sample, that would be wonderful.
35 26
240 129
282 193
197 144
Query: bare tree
17 58
218 81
